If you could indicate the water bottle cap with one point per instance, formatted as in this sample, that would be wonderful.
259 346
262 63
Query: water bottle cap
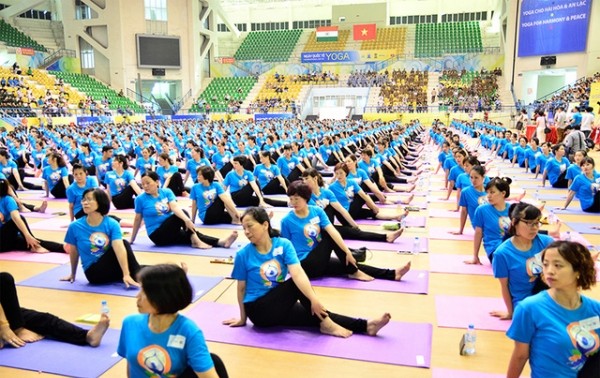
104 302
471 326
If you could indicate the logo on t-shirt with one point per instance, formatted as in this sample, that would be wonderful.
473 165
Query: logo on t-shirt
162 207
504 224
534 266
312 232
155 361
585 342
209 196
270 272
98 242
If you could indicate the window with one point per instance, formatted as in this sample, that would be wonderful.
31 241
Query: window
422 19
155 10
87 58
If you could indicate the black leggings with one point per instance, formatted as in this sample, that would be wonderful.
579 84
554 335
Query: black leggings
274 187
42 323
246 197
595 208
357 211
59 190
561 182
219 367
125 199
173 232
285 305
216 214
13 181
176 184
11 239
107 268
349 232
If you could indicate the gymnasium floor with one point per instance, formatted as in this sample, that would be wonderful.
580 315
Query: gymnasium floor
493 348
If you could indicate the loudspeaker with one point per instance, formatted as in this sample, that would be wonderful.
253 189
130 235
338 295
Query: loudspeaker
312 117
356 117
158 72
548 60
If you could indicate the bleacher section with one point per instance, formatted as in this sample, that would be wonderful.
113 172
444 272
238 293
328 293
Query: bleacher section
437 39
269 46
236 88
408 91
387 39
13 37
98 91
339 45
49 84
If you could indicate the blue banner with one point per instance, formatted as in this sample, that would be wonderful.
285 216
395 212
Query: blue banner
199 117
331 56
85 121
267 116
157 117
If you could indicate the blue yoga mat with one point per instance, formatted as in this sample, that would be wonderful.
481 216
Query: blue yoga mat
50 279
584 228
144 244
50 356
413 282
573 209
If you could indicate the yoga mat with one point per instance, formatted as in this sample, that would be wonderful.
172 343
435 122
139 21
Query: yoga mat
443 233
33 214
411 221
573 209
144 244
459 312
538 186
583 228
413 282
452 199
398 343
50 279
51 356
39 195
553 197
452 373
275 223
441 263
399 206
52 224
52 258
441 213
404 244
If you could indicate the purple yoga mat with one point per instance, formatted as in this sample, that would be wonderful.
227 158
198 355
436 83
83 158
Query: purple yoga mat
50 356
398 343
583 228
459 312
574 209
441 213
443 233
452 373
553 197
144 244
414 203
50 279
52 258
52 224
402 244
411 221
413 282
33 214
441 263
39 195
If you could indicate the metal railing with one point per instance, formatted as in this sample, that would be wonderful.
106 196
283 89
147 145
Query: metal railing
145 101
178 104
57 55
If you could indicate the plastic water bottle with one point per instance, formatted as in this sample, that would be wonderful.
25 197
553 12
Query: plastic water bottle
568 236
416 245
552 217
104 308
470 339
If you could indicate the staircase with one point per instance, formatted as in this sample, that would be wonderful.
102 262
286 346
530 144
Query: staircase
433 82
165 105
373 99
46 32
254 91
296 56
506 97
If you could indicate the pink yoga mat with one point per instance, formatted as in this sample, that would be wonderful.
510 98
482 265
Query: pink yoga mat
452 373
51 258
441 213
443 233
398 343
459 312
53 224
413 282
575 235
454 264
402 244
35 215
411 221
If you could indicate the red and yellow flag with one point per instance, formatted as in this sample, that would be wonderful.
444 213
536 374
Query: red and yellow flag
365 32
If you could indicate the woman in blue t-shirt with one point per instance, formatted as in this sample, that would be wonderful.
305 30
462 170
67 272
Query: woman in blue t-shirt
121 184
97 239
169 175
517 263
212 204
471 197
159 341
557 329
56 176
585 186
574 169
268 299
269 176
556 169
542 159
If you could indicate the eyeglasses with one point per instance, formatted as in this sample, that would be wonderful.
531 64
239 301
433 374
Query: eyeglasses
532 224
88 200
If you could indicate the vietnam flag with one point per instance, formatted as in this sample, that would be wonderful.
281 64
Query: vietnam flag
365 32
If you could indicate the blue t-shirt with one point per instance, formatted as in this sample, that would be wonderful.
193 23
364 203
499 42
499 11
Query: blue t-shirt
87 160
92 242
75 192
494 225
263 272
166 354
324 198
7 205
8 167
53 176
237 182
582 186
554 168
520 267
164 173
154 210
471 198
559 339
359 176
455 172
304 233
345 194
265 175
573 171
531 156
221 159
192 166
541 161
103 166
287 166
117 183
205 196
143 165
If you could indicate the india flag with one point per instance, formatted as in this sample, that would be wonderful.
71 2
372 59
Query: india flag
327 34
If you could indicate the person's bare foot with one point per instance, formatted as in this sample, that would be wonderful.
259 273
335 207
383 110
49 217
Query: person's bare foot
39 249
392 236
374 325
197 243
226 243
360 276
410 198
556 232
400 272
520 196
94 335
329 327
27 335
184 266
41 208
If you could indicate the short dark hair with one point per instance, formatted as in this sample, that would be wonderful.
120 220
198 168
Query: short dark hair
586 160
101 199
78 166
341 166
261 216
522 211
167 287
151 174
240 159
580 259
207 173
500 183
300 189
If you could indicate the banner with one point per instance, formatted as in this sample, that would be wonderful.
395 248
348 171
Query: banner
594 99
364 32
331 56
267 116
377 55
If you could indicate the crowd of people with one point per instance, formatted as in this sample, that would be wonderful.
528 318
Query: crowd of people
463 91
